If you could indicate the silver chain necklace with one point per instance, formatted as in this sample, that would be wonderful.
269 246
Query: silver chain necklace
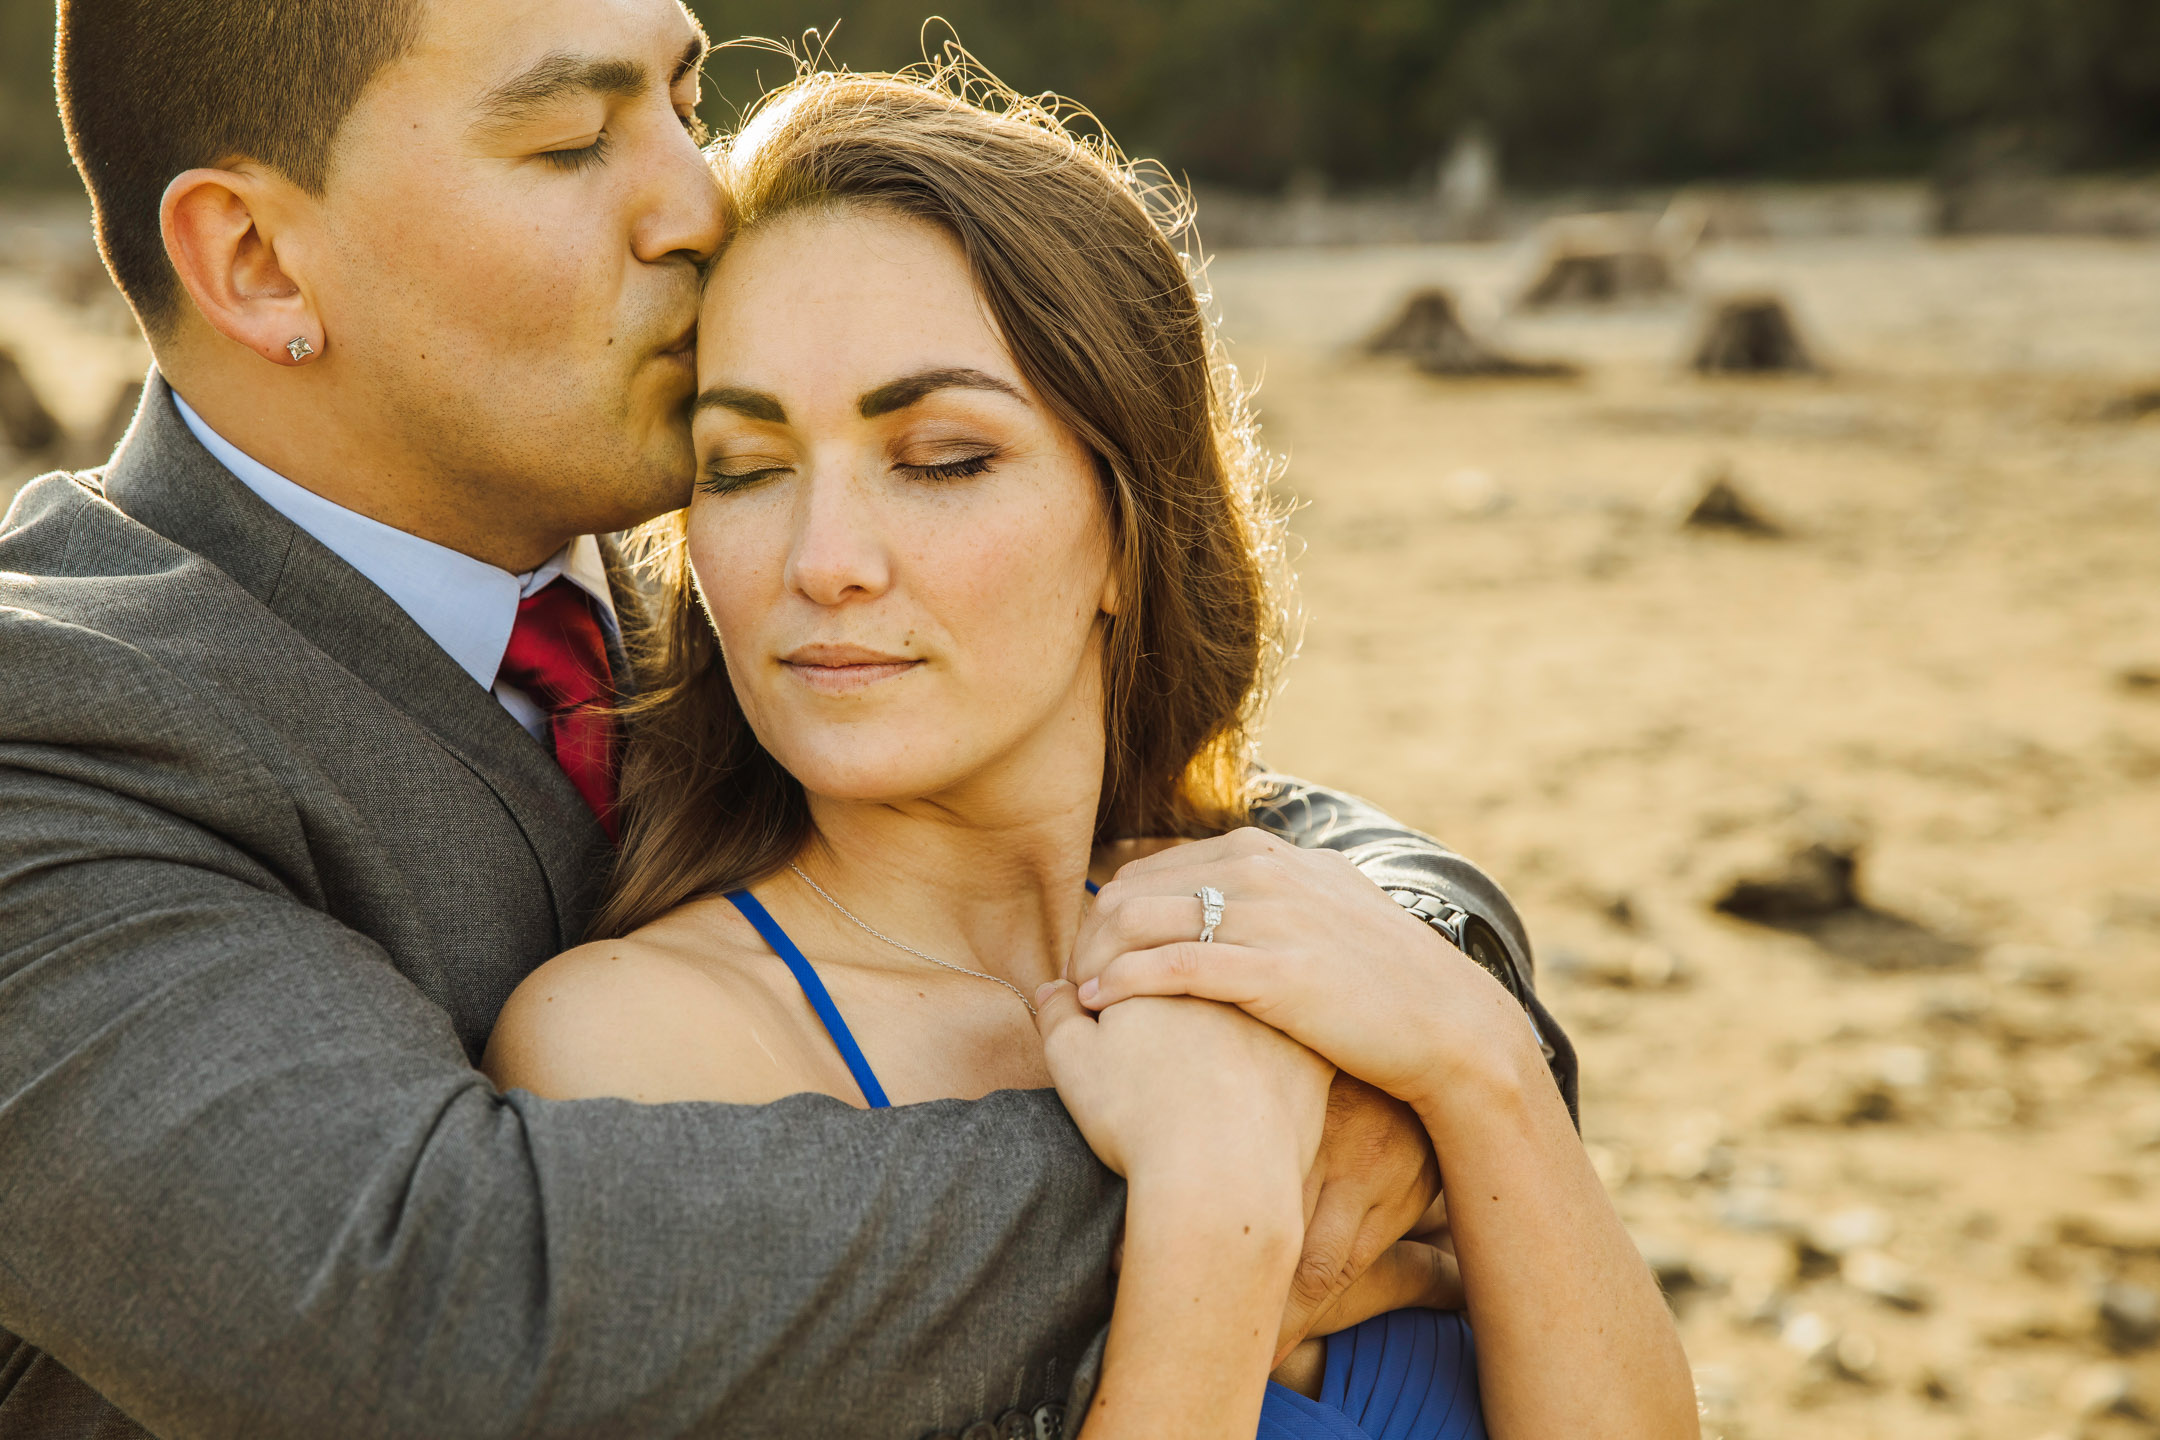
903 945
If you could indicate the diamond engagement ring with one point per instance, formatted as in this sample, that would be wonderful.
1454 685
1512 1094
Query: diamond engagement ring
1211 908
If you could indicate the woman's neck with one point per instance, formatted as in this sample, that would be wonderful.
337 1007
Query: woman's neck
993 882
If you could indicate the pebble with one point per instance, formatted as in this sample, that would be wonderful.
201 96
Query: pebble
2030 966
1861 1227
2100 1390
1885 1278
1809 1333
1855 1356
1847 1354
1628 967
1473 494
2128 1315
1758 1303
1904 1067
2130 1230
1753 1207
1669 1261
1955 1003
1940 1384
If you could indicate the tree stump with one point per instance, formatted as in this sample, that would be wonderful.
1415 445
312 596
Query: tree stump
1752 335
1431 333
1600 259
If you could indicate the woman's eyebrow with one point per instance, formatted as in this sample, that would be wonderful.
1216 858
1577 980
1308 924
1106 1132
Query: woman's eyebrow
751 404
901 393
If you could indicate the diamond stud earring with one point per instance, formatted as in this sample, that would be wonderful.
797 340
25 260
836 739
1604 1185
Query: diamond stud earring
299 348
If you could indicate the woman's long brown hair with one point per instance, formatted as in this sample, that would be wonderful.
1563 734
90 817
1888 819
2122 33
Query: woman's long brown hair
1072 249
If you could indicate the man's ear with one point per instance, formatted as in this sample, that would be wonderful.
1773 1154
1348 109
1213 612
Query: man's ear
221 234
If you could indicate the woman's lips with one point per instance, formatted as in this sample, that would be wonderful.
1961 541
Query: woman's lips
844 670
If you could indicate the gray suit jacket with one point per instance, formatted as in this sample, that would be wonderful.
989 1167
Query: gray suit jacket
269 864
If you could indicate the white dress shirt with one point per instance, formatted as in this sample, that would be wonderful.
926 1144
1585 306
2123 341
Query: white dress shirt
467 606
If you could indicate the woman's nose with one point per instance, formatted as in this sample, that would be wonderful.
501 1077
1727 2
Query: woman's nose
838 554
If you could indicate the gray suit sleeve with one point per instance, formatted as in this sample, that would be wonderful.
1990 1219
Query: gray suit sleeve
250 1186
1398 858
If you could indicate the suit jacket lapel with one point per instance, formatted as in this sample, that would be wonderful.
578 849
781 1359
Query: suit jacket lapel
162 477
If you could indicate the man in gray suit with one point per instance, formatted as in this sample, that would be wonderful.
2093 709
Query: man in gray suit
280 828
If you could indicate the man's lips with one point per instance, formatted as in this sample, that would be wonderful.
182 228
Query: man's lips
683 348
843 669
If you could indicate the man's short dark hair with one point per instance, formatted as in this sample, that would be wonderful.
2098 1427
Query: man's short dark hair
150 88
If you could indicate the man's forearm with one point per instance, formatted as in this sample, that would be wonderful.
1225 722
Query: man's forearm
249 1185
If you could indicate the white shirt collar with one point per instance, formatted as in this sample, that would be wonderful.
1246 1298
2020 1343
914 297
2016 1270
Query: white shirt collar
467 606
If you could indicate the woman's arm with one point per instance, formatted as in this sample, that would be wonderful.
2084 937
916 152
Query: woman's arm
1213 1120
1573 1338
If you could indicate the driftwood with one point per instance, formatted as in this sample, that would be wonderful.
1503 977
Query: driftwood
1431 333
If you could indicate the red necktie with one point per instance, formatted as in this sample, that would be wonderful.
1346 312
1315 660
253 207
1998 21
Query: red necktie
558 656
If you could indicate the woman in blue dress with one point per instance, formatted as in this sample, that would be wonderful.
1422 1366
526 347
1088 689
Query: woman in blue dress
980 585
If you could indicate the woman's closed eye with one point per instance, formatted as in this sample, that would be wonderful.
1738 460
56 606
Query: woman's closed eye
949 467
724 477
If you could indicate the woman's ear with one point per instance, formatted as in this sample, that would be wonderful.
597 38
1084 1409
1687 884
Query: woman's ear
222 238
1108 605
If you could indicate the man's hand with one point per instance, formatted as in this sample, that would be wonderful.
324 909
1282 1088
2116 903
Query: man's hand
1374 1182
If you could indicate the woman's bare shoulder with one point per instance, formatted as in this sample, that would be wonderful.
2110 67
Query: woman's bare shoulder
676 1011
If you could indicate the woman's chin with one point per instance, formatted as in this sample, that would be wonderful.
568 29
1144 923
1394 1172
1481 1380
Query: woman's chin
856 782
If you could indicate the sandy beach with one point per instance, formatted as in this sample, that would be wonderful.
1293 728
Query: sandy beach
1897 1159
1908 1189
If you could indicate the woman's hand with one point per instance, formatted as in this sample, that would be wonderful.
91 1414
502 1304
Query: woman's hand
1213 1119
1308 945
1185 1088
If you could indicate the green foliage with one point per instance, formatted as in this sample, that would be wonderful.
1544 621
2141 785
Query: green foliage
1254 92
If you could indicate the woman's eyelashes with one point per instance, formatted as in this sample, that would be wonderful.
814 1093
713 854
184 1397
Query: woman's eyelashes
718 480
726 475
956 467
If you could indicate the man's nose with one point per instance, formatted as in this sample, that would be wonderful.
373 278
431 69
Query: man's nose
683 214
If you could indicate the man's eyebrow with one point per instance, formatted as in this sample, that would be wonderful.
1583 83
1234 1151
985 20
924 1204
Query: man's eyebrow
555 77
901 393
752 404
693 56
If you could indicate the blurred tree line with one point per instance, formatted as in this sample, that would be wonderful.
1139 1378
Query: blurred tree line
1252 93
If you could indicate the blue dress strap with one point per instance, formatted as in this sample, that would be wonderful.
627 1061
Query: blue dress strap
814 991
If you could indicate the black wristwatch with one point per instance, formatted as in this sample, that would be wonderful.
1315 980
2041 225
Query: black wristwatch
1477 939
